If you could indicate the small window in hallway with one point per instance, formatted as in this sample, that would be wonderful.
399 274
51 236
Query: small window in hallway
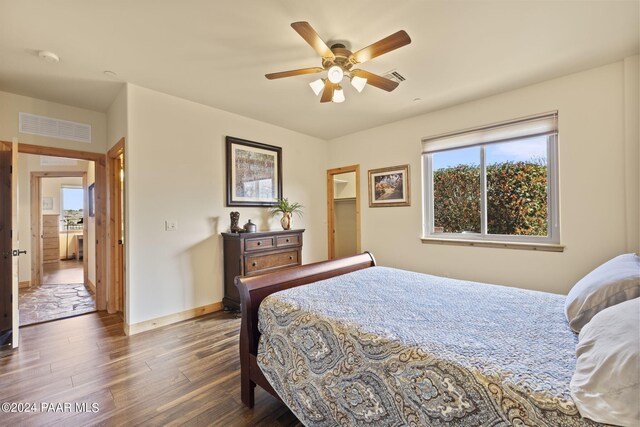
72 216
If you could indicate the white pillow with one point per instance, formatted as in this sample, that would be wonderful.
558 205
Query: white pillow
615 281
606 383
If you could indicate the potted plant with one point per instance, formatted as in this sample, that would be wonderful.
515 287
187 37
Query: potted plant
287 209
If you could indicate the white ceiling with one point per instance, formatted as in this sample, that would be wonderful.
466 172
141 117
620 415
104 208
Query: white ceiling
216 53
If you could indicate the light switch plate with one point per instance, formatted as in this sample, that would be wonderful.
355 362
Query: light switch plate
171 225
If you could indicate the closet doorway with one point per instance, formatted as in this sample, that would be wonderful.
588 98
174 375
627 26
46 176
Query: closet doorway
343 211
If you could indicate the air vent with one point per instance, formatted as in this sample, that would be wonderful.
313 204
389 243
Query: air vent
54 128
395 76
57 161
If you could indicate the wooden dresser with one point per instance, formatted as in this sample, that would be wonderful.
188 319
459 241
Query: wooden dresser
50 238
249 254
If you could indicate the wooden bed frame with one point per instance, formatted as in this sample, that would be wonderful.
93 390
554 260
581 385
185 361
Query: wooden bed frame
254 289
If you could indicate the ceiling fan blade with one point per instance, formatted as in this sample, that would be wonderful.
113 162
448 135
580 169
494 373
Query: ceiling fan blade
291 73
307 32
387 44
376 80
327 93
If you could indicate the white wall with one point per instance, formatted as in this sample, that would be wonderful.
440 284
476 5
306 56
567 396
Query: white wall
175 170
28 163
632 149
11 105
117 123
344 185
597 202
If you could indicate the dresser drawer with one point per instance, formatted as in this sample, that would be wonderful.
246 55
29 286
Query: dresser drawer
259 244
50 243
255 264
50 221
50 231
288 240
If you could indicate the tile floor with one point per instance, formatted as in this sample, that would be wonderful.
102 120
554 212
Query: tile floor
49 302
62 294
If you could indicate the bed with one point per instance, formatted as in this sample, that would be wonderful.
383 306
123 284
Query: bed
368 345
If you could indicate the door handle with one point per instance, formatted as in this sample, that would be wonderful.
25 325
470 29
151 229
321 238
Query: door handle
17 252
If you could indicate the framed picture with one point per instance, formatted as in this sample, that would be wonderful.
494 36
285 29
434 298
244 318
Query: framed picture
47 203
254 173
389 187
92 200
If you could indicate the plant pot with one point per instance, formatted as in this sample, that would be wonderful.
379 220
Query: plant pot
286 221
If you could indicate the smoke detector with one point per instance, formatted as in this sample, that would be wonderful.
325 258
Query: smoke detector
48 56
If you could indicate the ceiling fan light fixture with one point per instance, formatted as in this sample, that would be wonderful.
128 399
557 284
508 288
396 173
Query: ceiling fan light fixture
358 83
335 74
338 95
317 86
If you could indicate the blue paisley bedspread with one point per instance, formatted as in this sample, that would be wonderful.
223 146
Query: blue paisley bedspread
388 347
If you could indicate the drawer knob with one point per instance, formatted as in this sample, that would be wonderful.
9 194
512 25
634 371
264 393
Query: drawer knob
287 240
291 257
259 243
254 264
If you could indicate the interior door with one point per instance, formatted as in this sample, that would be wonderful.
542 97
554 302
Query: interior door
9 248
341 206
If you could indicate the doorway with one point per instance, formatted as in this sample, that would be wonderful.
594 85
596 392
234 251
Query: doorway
12 222
61 280
343 211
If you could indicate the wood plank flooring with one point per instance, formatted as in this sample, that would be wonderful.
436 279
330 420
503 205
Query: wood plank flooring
186 374
70 271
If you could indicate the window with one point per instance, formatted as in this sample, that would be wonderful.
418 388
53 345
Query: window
71 215
495 183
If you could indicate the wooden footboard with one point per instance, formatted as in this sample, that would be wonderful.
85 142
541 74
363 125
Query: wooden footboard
254 289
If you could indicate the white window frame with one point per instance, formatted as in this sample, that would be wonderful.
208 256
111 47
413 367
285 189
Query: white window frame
553 206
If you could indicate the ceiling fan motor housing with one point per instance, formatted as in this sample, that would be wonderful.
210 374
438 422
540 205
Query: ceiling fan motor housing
341 59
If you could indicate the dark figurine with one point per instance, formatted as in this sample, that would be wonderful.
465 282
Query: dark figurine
235 218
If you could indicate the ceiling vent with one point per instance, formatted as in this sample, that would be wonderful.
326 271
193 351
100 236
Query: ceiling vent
54 128
395 76
57 161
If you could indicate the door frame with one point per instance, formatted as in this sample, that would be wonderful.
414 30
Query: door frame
330 210
100 207
116 278
36 222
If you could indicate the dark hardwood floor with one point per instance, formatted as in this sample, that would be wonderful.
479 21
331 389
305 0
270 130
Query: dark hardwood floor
181 374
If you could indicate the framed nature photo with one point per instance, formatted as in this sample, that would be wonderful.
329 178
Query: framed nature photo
254 173
389 187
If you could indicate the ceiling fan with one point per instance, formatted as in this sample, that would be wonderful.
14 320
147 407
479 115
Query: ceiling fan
339 62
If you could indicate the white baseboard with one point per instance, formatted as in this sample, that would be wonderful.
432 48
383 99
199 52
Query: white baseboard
158 322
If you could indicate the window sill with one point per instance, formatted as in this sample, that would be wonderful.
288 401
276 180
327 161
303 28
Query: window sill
546 247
